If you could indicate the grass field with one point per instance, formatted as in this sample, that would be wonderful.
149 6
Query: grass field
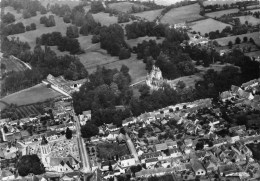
221 13
30 36
125 6
134 42
149 15
104 18
107 150
182 14
224 41
251 20
208 25
37 93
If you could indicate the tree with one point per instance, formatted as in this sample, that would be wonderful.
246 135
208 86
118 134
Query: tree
230 44
43 20
68 133
95 39
5 129
8 18
245 39
251 40
96 7
30 164
33 26
238 40
89 130
124 54
72 32
28 28
110 167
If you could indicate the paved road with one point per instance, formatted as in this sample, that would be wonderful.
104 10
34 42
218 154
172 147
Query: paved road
82 147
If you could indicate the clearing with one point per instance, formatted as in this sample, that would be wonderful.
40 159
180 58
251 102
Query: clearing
149 15
251 20
221 13
105 19
224 41
134 42
30 36
208 25
126 6
182 14
35 94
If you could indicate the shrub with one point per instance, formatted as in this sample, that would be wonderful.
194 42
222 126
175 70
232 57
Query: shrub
28 28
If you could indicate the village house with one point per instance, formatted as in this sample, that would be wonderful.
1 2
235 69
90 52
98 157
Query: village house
127 161
197 167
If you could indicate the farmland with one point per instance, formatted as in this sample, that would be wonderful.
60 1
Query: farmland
224 41
37 93
105 19
26 111
208 25
30 36
126 6
221 13
149 15
251 20
182 14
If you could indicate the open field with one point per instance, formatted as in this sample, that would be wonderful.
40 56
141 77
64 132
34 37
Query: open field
61 2
182 14
149 15
125 6
251 20
30 36
37 93
134 42
13 65
208 25
105 19
253 54
224 41
221 13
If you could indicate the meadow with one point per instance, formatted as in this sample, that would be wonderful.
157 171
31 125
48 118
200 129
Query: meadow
37 93
149 15
126 6
182 14
218 14
105 19
224 41
251 20
208 25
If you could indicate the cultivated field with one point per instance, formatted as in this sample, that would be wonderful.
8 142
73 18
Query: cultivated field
30 36
37 93
149 15
126 6
26 111
13 65
105 19
182 14
224 41
208 25
221 13
134 42
251 20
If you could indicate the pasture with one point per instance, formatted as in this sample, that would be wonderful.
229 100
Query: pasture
149 15
35 94
182 14
208 25
30 36
126 6
250 19
105 19
224 41
218 14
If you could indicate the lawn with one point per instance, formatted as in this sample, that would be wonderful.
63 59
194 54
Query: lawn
35 94
134 42
221 13
182 14
125 6
208 25
30 36
149 15
105 19
107 150
224 41
251 20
